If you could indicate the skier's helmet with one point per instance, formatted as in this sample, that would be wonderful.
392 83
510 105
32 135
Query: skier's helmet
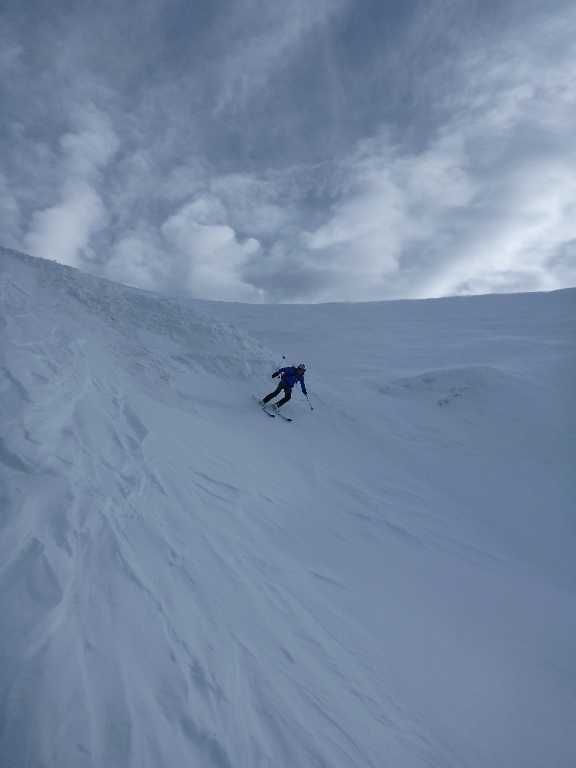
301 367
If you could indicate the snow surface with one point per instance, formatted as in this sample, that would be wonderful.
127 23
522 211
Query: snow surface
389 580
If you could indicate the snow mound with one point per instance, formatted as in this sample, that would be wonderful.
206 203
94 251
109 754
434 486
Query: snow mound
447 384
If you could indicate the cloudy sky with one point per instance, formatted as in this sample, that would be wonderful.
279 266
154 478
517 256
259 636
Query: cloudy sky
293 150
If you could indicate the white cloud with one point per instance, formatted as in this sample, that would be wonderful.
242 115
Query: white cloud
10 216
395 208
10 56
215 256
487 206
135 261
247 175
272 35
512 251
251 203
62 232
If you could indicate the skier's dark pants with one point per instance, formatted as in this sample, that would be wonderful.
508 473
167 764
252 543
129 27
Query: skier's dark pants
287 394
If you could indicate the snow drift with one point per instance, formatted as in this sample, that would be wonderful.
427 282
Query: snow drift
387 581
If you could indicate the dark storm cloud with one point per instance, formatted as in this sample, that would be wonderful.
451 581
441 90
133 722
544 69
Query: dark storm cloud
293 151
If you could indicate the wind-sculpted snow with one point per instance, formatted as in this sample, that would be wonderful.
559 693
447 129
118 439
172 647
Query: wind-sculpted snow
143 320
447 383
387 581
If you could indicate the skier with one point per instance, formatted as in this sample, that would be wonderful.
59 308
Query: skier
288 378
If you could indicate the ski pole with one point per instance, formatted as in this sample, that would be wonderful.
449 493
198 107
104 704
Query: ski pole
309 403
280 363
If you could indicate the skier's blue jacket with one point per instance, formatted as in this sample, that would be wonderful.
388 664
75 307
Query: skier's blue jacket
290 376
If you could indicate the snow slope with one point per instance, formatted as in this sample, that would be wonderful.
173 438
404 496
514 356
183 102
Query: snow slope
387 581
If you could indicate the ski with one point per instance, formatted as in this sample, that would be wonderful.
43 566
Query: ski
277 413
263 407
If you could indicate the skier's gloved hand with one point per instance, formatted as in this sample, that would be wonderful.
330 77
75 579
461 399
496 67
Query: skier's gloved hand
275 374
304 392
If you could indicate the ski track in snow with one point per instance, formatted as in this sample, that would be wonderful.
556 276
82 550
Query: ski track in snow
387 581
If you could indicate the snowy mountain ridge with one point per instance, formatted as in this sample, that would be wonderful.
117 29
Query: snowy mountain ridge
387 581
